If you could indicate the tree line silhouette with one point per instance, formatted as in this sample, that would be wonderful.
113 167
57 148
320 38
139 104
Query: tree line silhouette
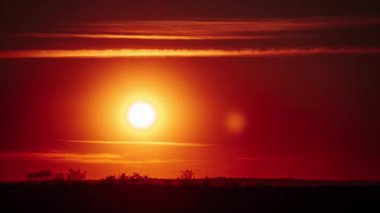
46 175
78 175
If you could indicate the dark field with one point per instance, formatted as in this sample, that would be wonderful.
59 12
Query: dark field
191 197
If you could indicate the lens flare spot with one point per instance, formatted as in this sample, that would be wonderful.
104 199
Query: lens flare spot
235 122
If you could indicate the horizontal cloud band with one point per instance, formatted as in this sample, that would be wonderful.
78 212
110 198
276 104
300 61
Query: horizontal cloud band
133 53
159 143
86 158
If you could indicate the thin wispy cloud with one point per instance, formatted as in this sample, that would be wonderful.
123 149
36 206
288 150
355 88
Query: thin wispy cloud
202 34
262 159
197 38
251 158
133 53
225 27
85 158
140 36
155 143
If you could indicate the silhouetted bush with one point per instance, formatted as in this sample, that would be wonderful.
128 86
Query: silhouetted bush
75 175
59 177
41 175
137 178
123 178
48 175
109 179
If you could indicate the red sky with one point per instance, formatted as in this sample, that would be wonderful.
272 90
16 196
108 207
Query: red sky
243 89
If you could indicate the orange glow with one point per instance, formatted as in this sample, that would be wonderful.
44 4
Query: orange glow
110 96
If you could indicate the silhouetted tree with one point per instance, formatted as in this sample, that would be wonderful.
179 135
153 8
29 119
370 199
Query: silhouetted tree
186 175
75 175
135 177
123 177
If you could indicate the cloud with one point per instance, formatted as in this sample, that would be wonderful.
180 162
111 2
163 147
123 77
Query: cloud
223 29
250 158
201 28
196 38
156 143
133 53
146 36
227 26
85 158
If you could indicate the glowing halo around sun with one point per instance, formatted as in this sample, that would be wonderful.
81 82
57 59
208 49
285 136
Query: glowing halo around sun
141 115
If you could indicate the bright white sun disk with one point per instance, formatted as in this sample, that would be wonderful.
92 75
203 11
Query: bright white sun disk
141 115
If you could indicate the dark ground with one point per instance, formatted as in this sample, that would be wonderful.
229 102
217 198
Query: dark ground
124 197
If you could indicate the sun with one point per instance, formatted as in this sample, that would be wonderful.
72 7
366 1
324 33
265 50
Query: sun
141 115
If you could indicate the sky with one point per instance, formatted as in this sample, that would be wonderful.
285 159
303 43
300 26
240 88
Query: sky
274 89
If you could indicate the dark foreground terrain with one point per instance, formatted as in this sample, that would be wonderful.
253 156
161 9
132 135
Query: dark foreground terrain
126 197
